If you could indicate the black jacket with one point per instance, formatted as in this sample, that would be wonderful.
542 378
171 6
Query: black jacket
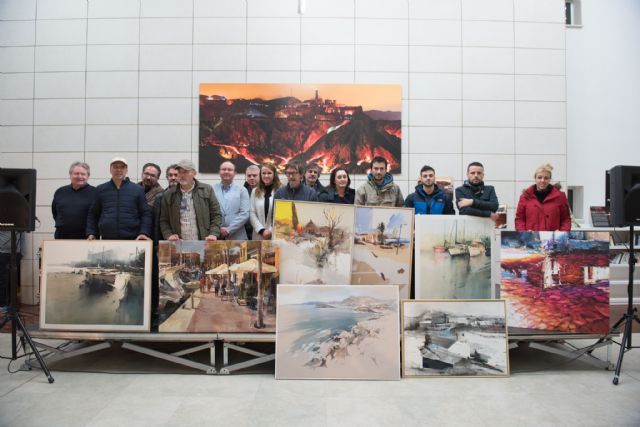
484 198
329 195
70 208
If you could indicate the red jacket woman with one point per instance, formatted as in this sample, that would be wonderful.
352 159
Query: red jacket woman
542 207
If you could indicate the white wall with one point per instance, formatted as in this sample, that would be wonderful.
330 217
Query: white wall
603 94
86 80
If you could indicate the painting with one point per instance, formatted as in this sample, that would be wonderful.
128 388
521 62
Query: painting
556 281
454 338
382 247
315 241
96 285
222 286
453 257
338 332
332 125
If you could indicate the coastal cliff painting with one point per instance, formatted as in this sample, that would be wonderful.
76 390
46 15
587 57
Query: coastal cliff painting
556 281
338 332
454 338
96 285
332 125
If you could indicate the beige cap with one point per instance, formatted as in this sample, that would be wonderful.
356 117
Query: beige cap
119 159
186 165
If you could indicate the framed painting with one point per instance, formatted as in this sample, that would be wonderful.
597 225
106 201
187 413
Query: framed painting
454 338
383 247
337 332
453 257
315 241
222 286
102 285
330 124
556 281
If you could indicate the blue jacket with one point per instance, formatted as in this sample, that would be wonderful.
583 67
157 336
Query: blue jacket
438 203
301 194
119 213
234 207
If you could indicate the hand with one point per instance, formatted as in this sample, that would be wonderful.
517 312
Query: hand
494 216
142 237
266 234
224 232
463 203
173 237
91 237
210 238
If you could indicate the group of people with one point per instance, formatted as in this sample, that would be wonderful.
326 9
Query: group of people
189 209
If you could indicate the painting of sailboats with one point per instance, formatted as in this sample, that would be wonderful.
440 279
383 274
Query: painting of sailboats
453 257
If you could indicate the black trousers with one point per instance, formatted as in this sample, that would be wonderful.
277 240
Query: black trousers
5 276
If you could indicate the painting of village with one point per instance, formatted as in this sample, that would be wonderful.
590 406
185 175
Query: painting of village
382 247
455 338
329 124
338 332
96 285
315 240
217 286
453 257
556 281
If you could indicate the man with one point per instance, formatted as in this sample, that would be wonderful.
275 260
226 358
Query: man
429 199
474 197
71 203
190 210
150 176
234 204
295 190
172 175
380 189
251 181
312 177
172 179
119 210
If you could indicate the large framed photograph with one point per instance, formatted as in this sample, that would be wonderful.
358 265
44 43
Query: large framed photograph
100 285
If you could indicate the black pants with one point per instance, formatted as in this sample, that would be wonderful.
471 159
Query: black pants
5 276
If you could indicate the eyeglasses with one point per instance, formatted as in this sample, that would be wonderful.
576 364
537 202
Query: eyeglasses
292 173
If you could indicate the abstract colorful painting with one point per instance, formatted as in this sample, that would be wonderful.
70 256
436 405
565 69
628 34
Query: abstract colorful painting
382 248
454 338
315 241
218 286
556 281
453 257
329 124
338 332
96 285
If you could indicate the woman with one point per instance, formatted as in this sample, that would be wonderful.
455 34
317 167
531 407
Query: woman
542 206
338 190
261 213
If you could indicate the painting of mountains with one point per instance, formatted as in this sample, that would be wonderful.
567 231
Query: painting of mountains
328 124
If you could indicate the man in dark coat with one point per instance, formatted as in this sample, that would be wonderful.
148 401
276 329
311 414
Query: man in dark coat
295 189
474 197
71 203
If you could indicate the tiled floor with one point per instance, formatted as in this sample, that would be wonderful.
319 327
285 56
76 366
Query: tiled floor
543 390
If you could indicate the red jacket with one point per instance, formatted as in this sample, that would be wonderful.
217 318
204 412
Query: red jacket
550 215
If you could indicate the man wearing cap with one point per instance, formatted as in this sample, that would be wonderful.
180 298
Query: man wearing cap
119 210
234 204
190 210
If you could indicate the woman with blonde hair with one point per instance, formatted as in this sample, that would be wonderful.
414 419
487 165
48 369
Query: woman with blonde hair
261 203
542 206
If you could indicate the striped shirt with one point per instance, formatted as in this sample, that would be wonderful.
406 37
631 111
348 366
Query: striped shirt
188 222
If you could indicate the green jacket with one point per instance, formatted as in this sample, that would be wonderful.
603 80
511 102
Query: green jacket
205 205
370 194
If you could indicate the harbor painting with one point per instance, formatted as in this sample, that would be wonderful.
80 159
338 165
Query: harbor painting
453 257
96 285
217 286
315 240
338 332
332 125
556 281
454 338
382 248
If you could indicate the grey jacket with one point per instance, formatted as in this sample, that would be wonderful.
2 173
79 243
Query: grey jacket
370 194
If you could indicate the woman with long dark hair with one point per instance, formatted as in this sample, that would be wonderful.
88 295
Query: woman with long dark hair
338 190
261 213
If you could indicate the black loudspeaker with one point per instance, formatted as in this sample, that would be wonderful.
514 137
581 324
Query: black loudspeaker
624 195
17 199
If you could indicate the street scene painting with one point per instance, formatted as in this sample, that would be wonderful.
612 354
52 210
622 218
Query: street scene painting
331 125
556 281
382 247
315 240
96 285
453 257
454 338
217 286
338 332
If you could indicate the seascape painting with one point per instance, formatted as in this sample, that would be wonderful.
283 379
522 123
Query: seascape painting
331 125
454 338
382 247
556 281
315 241
338 332
96 285
453 257
217 286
